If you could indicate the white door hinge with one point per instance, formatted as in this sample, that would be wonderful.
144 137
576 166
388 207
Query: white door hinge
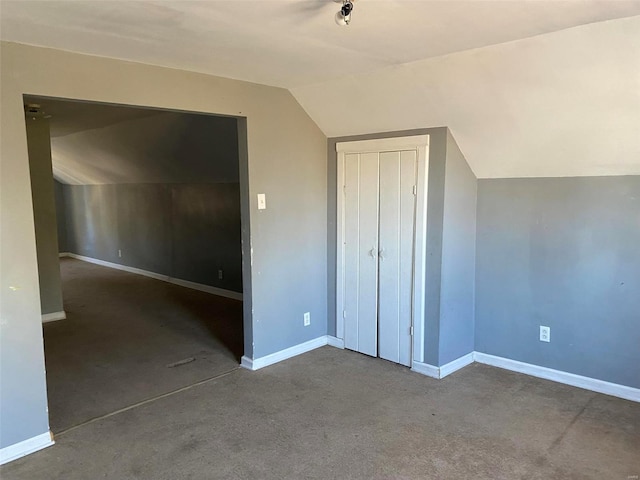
411 330
344 314
415 189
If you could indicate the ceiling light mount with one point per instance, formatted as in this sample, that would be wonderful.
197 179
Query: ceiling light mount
343 17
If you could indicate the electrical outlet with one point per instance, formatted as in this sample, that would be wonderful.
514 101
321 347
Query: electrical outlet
307 319
545 333
119 253
219 274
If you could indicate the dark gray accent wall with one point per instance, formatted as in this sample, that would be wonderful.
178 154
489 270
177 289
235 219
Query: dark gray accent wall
206 235
185 231
565 253
61 217
459 211
457 288
44 214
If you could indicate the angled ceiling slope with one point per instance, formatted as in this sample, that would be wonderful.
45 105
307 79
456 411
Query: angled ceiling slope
94 143
521 101
561 104
289 43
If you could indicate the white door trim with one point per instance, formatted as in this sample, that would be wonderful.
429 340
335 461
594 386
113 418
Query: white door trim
383 144
419 143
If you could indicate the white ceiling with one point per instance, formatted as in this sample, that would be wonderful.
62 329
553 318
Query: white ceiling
69 117
524 93
289 43
562 104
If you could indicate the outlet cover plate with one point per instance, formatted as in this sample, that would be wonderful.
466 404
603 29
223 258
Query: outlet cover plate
545 333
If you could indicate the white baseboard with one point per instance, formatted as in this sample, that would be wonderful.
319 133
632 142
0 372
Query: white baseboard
20 449
246 362
455 365
444 370
258 363
425 369
206 288
52 317
335 342
600 386
165 278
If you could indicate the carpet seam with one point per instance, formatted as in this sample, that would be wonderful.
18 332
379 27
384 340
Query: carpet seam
145 402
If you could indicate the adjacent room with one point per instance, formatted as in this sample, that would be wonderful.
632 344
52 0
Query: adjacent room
139 252
320 239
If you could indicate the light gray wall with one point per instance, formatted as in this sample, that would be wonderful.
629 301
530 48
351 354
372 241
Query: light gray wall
435 211
457 290
44 214
185 231
565 253
285 247
61 217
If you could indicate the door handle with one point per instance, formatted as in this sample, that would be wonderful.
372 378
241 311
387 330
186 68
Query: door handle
381 254
372 252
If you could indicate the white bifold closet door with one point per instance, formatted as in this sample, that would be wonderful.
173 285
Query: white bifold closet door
379 214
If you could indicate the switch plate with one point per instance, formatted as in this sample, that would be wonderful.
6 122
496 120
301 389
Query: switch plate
307 319
119 253
262 201
219 274
545 333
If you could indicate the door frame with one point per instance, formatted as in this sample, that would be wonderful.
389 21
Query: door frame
420 144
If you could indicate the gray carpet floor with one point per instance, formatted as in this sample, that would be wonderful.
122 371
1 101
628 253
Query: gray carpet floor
336 414
122 333
340 415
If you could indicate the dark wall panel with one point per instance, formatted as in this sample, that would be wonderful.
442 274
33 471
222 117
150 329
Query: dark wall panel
185 231
61 216
144 226
92 222
206 234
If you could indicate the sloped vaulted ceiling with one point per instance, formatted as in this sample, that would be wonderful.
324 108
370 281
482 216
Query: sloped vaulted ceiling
94 143
561 104
529 88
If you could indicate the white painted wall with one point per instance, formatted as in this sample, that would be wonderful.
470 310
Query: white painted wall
561 104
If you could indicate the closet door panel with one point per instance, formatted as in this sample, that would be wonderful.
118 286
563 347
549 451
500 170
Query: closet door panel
407 212
396 232
351 249
361 242
368 255
389 232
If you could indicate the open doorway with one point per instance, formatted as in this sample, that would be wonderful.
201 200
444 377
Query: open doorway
142 208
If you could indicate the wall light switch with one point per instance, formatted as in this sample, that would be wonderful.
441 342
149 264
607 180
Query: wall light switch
262 201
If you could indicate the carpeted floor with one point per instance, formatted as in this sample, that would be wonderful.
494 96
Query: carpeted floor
336 414
121 333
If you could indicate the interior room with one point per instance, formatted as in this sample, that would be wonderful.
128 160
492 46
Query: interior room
148 193
435 239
